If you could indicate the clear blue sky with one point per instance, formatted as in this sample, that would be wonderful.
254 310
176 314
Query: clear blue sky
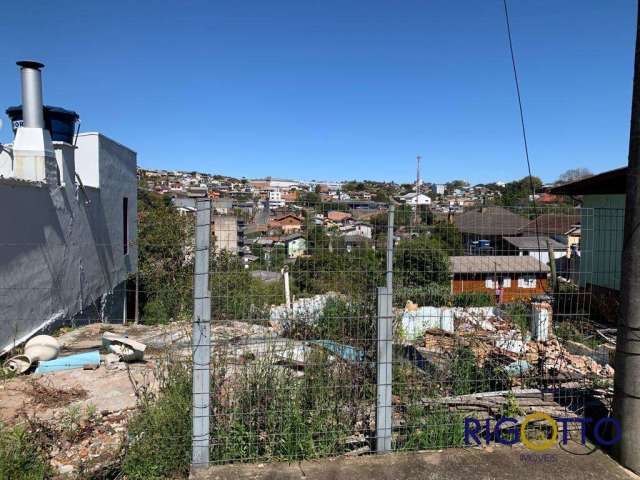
337 89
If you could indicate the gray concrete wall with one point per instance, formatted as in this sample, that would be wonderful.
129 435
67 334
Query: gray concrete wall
61 247
225 232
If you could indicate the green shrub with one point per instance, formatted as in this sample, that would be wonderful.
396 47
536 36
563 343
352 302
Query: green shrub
430 428
433 295
343 321
436 295
472 299
160 434
420 261
22 455
520 314
466 376
269 413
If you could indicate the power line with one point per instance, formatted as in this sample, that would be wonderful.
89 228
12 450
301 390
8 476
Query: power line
522 123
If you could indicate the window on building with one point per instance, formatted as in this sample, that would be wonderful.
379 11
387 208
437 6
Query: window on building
527 282
125 226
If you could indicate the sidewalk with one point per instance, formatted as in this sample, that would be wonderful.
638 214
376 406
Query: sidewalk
499 463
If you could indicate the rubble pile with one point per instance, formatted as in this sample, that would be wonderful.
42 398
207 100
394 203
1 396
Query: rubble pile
491 333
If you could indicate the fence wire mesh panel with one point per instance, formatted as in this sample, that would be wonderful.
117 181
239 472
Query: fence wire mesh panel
339 328
489 313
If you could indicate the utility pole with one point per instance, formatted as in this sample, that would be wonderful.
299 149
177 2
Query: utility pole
626 403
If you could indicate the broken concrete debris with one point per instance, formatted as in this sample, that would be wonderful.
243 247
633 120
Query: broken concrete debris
127 349
416 320
305 310
492 332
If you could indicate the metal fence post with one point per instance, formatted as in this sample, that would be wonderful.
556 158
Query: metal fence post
201 338
385 350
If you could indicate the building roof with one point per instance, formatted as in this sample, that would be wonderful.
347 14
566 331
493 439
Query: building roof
611 182
289 238
284 217
534 243
491 220
552 224
338 216
498 264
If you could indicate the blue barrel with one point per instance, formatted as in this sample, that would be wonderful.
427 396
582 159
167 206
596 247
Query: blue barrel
61 123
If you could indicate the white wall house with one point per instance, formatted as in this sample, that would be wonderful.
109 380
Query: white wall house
360 229
275 199
416 199
438 188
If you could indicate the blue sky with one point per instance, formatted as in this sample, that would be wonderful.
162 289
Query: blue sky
337 89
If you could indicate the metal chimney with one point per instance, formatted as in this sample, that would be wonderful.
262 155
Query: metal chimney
33 154
32 108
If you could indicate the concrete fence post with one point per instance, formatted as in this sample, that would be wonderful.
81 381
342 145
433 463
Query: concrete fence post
385 349
201 338
384 372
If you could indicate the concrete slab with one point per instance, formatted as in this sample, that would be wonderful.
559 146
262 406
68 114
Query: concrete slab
503 463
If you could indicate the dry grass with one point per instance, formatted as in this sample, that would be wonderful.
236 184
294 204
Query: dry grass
43 393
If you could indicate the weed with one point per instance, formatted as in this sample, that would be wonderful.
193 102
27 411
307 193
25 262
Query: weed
520 314
429 428
21 455
160 434
511 408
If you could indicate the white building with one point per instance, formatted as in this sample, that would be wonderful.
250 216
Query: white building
275 199
69 241
359 229
416 199
438 188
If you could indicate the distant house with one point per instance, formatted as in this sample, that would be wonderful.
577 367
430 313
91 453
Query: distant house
602 233
287 223
564 228
337 216
489 223
537 247
226 233
413 198
295 245
361 229
275 199
438 188
518 277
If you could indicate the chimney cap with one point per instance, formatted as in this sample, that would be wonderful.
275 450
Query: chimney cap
30 64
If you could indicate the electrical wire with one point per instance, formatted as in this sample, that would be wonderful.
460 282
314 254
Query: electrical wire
523 127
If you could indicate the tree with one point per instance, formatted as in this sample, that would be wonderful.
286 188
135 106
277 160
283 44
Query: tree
165 262
421 261
309 198
518 192
574 174
455 184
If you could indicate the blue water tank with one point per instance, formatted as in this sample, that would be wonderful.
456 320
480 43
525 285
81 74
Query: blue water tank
61 123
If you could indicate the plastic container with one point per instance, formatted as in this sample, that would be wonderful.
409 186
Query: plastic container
61 123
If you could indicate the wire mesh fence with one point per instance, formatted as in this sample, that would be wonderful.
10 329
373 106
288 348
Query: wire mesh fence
324 329
488 310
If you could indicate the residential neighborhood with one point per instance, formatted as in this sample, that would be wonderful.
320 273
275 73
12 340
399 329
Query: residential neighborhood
320 240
